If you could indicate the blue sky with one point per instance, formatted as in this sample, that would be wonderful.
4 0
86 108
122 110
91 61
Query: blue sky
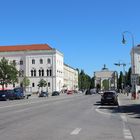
87 32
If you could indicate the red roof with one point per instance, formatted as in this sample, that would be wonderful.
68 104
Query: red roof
25 47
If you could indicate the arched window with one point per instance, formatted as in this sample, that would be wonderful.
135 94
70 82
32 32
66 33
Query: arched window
49 61
41 61
33 72
33 61
47 72
50 72
42 72
39 72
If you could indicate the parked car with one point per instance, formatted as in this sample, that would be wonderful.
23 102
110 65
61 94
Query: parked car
18 93
6 95
109 97
55 93
43 94
88 92
69 92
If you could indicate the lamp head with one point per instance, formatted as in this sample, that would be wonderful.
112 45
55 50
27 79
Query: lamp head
123 40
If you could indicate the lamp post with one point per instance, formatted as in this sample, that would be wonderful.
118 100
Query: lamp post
134 94
123 79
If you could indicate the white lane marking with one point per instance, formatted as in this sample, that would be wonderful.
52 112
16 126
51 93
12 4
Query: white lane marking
101 112
75 131
123 118
127 134
126 131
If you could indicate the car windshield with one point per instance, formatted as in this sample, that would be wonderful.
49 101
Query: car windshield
109 93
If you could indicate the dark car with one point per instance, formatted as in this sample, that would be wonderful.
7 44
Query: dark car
6 95
43 94
55 93
109 97
88 92
18 93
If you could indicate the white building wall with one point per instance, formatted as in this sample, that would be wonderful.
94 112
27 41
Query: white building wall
59 72
56 65
135 64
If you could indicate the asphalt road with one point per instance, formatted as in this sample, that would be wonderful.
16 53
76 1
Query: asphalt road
72 117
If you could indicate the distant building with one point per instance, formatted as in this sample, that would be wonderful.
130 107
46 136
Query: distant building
37 62
70 78
106 79
135 65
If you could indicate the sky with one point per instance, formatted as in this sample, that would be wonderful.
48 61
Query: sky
87 32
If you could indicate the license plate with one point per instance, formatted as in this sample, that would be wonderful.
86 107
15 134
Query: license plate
109 98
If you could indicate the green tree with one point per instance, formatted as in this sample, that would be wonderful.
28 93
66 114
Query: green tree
120 80
84 80
8 73
128 77
42 83
92 84
25 82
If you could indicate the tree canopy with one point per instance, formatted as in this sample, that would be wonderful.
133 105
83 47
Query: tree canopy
25 82
42 83
84 80
8 73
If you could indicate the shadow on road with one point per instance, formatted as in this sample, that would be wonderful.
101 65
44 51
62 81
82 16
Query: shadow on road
132 110
111 108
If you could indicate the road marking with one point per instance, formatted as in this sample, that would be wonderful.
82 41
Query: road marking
75 131
123 118
101 112
127 134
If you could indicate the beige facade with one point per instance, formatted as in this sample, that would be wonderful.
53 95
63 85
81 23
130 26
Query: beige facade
106 79
70 78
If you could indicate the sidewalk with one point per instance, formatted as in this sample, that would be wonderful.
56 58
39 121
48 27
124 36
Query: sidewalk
129 106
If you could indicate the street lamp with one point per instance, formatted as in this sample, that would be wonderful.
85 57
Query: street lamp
133 61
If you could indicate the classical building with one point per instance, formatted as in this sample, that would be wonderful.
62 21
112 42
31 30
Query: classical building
70 78
37 62
135 63
106 79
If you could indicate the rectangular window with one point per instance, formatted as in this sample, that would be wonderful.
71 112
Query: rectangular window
49 84
33 61
33 84
21 62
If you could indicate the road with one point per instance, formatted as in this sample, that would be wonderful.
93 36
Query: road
72 117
